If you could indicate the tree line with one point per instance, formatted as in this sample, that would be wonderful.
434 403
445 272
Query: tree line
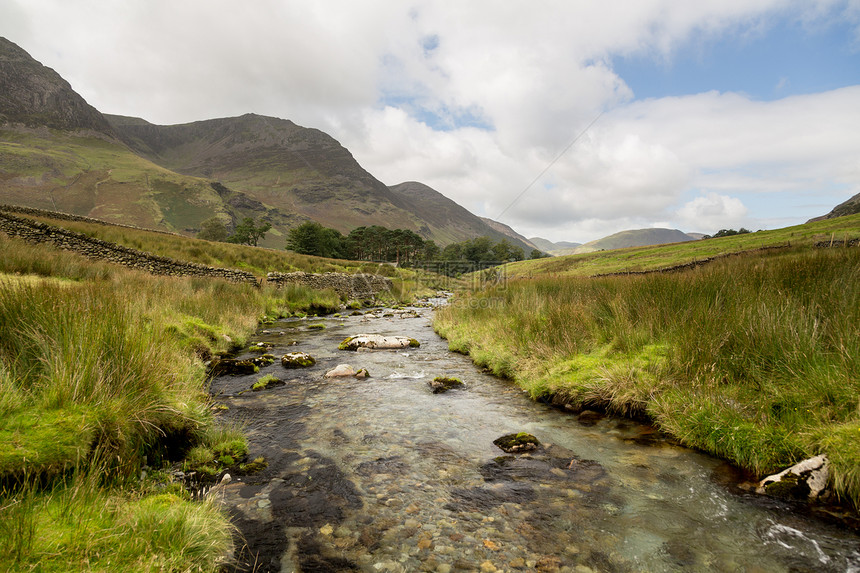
248 232
727 233
370 243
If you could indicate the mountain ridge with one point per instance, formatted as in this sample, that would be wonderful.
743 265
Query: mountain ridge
35 95
174 177
849 207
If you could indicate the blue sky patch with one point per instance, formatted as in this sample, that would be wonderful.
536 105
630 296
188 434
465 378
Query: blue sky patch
787 59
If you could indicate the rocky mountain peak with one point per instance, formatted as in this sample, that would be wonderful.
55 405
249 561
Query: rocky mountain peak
35 95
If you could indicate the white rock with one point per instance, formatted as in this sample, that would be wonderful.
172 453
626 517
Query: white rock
814 472
340 370
377 341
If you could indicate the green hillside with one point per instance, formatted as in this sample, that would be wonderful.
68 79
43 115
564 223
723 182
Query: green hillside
637 259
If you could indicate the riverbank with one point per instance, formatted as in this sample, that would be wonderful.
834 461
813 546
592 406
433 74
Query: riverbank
102 388
754 359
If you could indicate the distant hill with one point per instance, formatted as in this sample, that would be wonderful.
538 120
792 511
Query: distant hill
849 207
127 170
634 238
547 246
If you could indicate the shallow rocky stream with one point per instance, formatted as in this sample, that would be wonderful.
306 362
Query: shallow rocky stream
382 475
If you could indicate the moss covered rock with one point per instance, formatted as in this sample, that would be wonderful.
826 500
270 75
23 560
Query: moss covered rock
807 480
442 384
266 382
517 443
297 360
232 367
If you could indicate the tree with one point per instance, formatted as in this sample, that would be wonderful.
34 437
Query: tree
536 254
332 244
477 250
306 239
502 251
727 233
248 232
430 251
213 229
311 238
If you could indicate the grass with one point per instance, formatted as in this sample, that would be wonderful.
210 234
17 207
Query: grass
636 259
101 368
407 283
755 359
79 525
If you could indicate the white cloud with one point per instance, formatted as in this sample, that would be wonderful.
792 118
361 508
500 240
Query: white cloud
713 212
393 80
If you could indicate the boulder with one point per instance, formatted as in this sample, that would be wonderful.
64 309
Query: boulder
442 384
232 367
344 370
377 341
264 360
297 360
517 443
806 480
340 370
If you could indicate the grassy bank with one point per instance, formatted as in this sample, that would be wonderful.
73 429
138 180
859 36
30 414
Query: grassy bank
101 373
755 359
637 259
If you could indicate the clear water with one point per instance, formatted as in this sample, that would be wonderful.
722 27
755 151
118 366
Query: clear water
380 474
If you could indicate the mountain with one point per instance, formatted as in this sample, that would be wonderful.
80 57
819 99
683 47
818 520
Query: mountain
292 168
512 236
634 238
34 95
127 170
849 207
548 246
455 223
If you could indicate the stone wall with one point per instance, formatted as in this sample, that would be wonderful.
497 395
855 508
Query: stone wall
32 211
96 249
358 286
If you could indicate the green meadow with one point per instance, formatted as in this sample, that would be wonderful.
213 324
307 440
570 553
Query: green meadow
637 259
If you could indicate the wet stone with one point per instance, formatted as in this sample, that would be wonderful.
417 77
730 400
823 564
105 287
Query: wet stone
442 384
297 360
517 443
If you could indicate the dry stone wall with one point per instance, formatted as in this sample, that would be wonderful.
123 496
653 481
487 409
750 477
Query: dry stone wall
32 211
357 286
96 249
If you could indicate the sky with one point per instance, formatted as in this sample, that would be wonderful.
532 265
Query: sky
566 119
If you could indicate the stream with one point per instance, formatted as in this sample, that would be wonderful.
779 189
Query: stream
382 475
